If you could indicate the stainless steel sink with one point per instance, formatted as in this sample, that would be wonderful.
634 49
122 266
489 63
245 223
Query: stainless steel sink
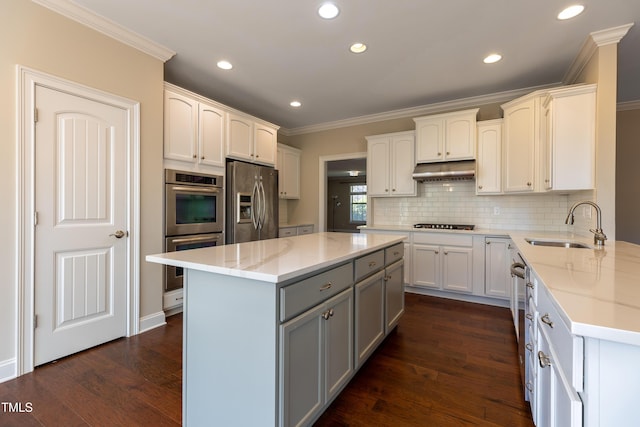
557 243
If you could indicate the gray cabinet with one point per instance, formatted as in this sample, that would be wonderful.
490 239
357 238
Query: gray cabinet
316 358
370 324
394 295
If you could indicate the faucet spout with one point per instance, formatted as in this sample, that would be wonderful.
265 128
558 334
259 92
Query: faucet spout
599 236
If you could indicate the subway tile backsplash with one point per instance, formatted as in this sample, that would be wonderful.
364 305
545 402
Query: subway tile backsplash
456 202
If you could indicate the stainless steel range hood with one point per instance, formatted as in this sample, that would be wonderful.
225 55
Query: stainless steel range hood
458 170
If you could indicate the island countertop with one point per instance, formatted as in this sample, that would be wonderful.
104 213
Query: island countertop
278 260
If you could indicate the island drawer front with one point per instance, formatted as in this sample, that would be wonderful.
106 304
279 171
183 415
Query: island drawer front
369 264
305 229
287 232
393 254
569 348
296 298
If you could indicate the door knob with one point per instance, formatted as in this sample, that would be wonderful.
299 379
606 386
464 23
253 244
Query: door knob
119 234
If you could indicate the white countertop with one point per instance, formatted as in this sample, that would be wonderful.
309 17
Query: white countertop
597 290
278 260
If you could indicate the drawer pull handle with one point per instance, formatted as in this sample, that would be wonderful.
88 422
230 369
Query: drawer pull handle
327 314
544 360
529 346
530 285
372 264
396 253
529 386
547 320
528 316
326 286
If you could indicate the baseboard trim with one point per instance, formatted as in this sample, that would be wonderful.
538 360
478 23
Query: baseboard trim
8 370
152 321
459 297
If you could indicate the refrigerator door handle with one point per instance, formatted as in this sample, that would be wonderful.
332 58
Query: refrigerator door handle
263 206
255 205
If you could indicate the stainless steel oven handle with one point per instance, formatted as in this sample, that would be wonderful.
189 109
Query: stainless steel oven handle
185 188
515 269
193 239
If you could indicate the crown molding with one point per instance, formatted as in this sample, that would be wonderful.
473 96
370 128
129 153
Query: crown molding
592 43
440 107
107 27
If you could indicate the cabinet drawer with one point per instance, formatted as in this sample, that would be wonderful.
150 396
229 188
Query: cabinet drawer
444 239
569 348
287 232
369 264
393 254
305 229
302 295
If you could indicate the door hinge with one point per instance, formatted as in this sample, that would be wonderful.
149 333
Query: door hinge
35 321
35 218
35 115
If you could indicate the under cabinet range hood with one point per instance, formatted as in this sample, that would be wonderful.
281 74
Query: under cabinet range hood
441 171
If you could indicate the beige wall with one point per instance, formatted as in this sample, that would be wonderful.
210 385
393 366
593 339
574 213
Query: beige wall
628 176
35 37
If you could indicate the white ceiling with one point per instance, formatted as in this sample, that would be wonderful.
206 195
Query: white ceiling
421 52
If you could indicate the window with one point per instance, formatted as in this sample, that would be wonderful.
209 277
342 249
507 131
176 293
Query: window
358 203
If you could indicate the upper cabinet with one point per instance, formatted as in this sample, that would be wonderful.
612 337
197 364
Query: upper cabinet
390 164
203 132
568 138
549 140
521 132
193 130
443 137
489 162
288 166
250 140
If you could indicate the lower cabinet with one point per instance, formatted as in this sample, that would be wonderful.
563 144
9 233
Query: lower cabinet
393 295
439 265
316 358
370 309
497 280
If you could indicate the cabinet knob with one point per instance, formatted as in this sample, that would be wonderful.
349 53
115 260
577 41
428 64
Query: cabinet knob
393 189
439 154
437 252
386 189
202 157
488 243
448 153
446 253
529 346
479 187
195 157
528 184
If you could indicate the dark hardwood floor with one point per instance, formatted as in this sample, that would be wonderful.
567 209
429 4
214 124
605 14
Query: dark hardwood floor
447 364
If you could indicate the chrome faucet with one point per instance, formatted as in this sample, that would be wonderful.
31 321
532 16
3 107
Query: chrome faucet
599 237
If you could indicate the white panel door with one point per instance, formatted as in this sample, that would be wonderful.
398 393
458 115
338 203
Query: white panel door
81 278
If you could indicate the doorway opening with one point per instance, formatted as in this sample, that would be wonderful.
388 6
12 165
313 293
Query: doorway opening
346 198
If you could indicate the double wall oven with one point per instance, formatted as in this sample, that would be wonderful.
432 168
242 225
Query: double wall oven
194 211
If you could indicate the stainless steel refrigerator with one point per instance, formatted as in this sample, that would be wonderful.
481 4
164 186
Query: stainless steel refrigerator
252 202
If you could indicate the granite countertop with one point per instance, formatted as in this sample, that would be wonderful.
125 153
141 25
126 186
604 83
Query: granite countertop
596 290
278 260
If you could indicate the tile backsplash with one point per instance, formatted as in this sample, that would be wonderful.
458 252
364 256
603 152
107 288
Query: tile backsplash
456 202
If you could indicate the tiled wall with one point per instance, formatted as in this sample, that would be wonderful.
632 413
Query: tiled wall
456 202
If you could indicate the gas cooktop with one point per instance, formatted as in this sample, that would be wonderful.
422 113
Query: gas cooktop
445 226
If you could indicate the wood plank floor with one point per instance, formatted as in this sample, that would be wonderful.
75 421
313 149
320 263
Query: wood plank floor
447 364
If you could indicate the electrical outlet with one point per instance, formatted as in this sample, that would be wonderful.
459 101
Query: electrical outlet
496 210
586 212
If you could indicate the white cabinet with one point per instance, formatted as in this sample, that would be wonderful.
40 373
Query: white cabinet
568 138
194 130
449 136
489 161
288 166
497 279
443 261
521 134
390 164
316 358
250 140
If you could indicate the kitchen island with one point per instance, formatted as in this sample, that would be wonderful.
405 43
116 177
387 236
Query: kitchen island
274 329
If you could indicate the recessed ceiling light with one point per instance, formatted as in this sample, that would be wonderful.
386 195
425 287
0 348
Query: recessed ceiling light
571 11
328 11
225 65
358 47
494 57
295 104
